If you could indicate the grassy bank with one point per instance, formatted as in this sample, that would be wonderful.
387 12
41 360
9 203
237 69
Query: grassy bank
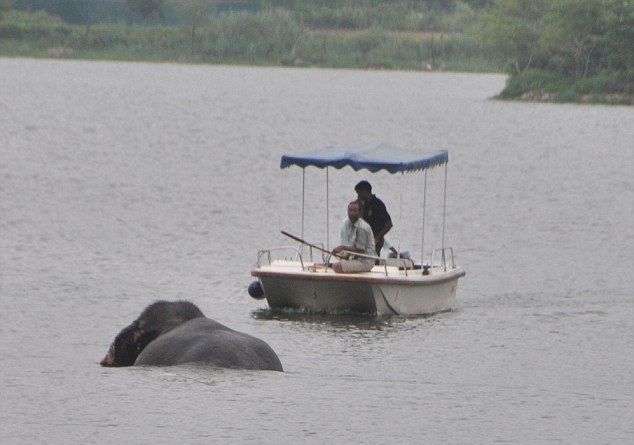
276 37
269 38
613 87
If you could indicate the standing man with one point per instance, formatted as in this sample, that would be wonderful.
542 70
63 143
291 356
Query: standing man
375 213
356 236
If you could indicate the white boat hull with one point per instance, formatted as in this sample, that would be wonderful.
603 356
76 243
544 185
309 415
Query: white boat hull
380 292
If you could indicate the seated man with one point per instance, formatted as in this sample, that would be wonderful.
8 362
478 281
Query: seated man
356 236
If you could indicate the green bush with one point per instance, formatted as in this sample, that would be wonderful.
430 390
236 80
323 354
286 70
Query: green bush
534 80
563 88
32 26
607 81
269 35
566 96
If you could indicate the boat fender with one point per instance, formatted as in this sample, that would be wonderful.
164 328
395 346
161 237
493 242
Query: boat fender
256 291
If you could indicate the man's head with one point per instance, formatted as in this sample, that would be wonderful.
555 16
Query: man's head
354 211
364 190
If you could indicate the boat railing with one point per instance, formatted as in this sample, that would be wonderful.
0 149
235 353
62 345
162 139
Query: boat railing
267 253
320 248
444 253
404 264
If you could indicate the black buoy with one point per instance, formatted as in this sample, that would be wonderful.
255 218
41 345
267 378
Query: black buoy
256 291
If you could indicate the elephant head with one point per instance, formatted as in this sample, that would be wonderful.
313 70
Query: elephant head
156 320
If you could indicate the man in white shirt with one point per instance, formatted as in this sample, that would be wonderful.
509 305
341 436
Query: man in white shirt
356 236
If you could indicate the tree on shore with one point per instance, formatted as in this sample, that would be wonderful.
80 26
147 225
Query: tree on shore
195 13
568 48
573 29
5 5
145 8
576 38
619 35
512 29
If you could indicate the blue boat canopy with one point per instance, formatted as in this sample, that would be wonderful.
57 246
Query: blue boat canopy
369 157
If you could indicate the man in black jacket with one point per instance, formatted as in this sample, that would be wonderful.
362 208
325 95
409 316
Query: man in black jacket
374 213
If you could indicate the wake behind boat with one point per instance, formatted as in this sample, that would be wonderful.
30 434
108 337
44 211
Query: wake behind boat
394 286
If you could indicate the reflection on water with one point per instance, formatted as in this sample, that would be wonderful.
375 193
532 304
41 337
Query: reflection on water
337 320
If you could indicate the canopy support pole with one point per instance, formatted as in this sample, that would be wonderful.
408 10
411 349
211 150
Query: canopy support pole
327 209
400 214
422 243
303 196
444 212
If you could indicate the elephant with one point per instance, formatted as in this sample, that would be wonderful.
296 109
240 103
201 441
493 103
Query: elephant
173 333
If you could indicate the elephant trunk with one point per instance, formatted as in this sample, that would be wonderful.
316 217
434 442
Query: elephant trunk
108 360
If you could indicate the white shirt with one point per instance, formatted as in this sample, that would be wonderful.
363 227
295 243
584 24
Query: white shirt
358 235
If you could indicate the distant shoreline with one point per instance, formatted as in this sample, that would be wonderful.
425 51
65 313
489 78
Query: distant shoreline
539 96
536 95
331 39
591 99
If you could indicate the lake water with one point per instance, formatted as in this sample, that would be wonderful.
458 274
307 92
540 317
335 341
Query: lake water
124 183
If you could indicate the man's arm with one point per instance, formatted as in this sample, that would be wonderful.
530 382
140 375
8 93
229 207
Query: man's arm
386 228
348 248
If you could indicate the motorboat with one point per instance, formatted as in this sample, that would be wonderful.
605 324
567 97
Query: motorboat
301 278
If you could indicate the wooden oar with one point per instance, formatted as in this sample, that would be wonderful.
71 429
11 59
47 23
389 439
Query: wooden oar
309 244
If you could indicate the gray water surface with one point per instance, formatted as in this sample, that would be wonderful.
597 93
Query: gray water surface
123 183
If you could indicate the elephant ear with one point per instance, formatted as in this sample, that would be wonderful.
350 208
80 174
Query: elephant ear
146 334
